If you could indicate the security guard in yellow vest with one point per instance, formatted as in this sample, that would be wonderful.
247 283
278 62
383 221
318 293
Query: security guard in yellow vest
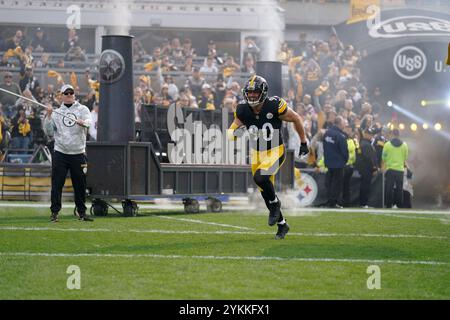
352 145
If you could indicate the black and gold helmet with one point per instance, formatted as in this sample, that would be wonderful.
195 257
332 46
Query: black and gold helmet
258 84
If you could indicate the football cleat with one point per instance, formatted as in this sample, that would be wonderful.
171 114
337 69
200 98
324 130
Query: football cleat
283 229
54 217
85 218
82 216
274 212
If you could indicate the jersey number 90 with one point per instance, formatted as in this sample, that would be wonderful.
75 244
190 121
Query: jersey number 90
266 132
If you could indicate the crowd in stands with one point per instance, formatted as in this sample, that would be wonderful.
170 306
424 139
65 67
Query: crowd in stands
325 81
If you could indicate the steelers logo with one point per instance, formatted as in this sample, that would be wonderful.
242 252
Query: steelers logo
306 188
68 121
269 116
111 66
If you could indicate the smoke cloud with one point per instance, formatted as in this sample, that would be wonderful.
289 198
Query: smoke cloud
271 20
121 15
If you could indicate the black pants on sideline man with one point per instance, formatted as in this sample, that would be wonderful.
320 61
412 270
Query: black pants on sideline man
346 192
334 181
365 187
77 165
393 187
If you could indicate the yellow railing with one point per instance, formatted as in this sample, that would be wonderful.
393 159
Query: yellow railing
28 182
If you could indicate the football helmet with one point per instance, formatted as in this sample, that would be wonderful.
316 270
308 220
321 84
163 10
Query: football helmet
256 84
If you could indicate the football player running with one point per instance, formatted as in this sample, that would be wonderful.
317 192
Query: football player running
262 116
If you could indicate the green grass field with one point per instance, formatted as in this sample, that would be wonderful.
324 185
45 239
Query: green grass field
228 255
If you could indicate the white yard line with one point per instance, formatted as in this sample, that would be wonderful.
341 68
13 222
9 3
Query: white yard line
229 207
14 228
25 205
242 258
300 234
404 216
375 211
203 222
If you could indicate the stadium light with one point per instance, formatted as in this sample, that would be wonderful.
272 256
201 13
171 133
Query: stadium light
408 113
413 127
390 104
437 103
438 127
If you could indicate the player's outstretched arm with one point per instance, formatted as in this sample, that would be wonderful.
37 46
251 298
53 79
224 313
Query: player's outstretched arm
292 116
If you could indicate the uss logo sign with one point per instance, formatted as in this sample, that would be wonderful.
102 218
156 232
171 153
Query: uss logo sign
410 62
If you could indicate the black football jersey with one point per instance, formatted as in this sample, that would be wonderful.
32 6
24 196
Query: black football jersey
264 128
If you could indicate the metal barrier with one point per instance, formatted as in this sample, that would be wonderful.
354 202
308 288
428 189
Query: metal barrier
29 182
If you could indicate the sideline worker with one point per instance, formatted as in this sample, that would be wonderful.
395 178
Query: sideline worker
366 165
335 153
395 154
69 152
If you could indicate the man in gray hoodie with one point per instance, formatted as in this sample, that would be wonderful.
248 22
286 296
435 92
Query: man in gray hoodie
69 128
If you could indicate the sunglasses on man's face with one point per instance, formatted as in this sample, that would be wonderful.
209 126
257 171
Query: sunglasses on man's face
69 93
8 77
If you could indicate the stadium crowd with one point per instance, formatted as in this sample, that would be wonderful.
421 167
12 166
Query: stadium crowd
325 82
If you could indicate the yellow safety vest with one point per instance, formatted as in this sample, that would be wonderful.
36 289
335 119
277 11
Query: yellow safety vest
351 145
